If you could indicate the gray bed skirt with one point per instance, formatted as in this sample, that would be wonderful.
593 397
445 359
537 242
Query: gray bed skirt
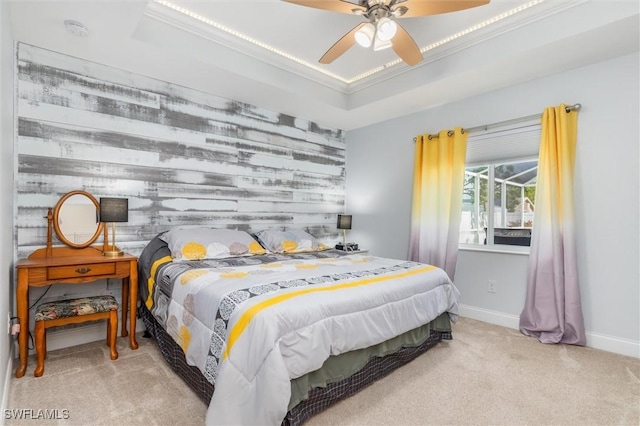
318 390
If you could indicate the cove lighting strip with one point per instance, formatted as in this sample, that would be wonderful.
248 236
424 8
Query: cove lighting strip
457 35
314 67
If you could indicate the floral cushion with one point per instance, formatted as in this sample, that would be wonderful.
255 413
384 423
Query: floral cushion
75 307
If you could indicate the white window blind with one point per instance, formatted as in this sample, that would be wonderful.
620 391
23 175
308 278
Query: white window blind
503 144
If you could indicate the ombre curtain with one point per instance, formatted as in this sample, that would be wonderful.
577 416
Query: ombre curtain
553 310
437 198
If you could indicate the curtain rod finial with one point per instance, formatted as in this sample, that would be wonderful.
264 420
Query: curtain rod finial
574 107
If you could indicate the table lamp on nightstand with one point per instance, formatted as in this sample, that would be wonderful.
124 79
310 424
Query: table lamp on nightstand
344 223
113 210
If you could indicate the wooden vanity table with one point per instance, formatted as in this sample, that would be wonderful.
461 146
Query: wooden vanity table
75 264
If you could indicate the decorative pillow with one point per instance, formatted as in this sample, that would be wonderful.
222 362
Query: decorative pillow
207 243
291 241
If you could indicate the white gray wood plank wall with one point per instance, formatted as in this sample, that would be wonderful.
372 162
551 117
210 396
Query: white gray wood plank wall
181 156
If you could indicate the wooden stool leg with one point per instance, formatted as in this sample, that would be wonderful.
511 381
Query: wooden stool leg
112 330
40 336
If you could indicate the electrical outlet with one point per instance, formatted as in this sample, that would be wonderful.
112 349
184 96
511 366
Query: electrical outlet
491 286
13 327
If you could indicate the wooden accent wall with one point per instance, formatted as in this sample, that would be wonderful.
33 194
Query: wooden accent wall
181 156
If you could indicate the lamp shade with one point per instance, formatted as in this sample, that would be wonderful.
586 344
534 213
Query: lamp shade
344 221
114 209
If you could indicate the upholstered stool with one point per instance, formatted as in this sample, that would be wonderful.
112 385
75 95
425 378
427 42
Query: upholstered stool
73 311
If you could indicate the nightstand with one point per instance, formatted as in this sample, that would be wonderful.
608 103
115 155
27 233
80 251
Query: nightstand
356 251
80 266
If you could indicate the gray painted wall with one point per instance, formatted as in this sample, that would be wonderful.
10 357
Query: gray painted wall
6 189
380 170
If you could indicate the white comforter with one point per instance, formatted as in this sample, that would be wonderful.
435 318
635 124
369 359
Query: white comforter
251 329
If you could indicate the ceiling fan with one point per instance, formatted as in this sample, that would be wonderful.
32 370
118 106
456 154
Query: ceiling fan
381 30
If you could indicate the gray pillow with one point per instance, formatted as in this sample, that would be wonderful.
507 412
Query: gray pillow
290 241
207 243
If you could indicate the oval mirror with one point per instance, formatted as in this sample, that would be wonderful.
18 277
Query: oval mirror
75 219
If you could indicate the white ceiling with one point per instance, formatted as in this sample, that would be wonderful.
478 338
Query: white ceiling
265 52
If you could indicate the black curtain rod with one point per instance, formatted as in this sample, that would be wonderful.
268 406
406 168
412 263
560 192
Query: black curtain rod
568 108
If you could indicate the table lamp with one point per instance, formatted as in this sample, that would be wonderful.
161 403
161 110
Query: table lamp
344 223
113 210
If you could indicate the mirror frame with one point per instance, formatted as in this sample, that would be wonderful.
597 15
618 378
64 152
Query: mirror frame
56 213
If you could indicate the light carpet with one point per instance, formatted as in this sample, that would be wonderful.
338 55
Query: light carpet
487 375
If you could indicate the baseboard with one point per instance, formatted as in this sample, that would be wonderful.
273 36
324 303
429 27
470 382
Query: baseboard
60 338
6 390
613 344
594 340
64 338
492 317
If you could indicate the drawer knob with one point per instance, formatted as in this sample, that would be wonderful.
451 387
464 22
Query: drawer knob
83 270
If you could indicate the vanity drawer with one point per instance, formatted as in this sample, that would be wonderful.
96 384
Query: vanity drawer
79 271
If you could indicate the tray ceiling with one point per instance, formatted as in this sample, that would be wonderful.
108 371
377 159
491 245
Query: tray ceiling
266 52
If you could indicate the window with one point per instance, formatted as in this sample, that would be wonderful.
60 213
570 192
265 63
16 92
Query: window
498 200
513 186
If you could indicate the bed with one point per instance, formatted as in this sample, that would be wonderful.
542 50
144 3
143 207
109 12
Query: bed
280 326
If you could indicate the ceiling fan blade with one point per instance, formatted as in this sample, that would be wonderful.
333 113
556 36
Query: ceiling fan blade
404 45
331 5
433 7
341 46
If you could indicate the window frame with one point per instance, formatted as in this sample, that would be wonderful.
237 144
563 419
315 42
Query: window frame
491 246
491 179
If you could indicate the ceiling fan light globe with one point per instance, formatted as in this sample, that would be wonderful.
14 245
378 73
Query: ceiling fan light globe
386 29
381 44
364 36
